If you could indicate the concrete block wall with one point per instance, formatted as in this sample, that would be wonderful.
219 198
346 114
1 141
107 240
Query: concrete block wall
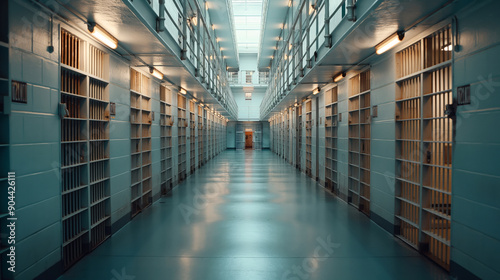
119 132
33 140
475 235
34 143
383 135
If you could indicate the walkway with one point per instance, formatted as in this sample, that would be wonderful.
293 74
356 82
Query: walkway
250 215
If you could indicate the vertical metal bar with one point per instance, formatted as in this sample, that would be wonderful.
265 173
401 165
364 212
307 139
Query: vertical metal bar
184 30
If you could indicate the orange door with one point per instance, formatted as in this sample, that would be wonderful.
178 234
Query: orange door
248 139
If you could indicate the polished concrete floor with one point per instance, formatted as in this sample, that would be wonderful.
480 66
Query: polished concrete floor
250 215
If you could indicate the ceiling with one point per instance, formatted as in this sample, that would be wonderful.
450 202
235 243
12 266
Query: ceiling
221 15
275 12
247 20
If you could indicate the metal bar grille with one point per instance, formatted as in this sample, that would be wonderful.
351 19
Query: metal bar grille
359 142
331 122
19 92
424 145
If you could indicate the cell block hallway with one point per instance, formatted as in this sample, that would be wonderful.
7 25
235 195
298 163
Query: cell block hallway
227 218
249 139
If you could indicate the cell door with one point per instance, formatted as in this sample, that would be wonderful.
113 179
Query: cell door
248 140
240 140
424 145
298 136
257 140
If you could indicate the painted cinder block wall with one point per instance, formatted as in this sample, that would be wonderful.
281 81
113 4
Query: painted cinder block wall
475 235
33 140
119 134
34 137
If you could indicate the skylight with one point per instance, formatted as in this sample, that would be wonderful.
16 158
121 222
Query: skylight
247 24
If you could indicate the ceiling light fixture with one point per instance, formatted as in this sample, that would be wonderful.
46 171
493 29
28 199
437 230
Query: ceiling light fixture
447 48
182 91
390 42
193 20
316 91
102 35
312 8
339 77
156 73
289 3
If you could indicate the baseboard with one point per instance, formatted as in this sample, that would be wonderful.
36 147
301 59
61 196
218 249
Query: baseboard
459 272
383 223
52 272
156 196
116 226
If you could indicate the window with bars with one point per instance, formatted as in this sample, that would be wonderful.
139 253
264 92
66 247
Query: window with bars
248 77
233 77
263 77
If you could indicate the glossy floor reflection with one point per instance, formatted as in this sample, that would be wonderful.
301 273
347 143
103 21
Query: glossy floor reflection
251 215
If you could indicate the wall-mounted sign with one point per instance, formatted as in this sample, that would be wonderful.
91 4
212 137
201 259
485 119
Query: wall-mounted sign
463 95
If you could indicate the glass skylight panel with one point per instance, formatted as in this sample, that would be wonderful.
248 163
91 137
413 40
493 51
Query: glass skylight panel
247 24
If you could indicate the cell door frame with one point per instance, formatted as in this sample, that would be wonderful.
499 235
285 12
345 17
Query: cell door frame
251 134
423 215
316 121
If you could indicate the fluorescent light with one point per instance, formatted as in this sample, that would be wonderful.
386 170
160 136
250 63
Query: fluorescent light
390 42
447 48
182 91
102 35
156 73
339 77
316 91
312 8
289 3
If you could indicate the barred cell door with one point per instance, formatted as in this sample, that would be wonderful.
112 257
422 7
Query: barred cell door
424 145
298 136
240 140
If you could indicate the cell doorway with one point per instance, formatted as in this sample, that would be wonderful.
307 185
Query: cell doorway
249 140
